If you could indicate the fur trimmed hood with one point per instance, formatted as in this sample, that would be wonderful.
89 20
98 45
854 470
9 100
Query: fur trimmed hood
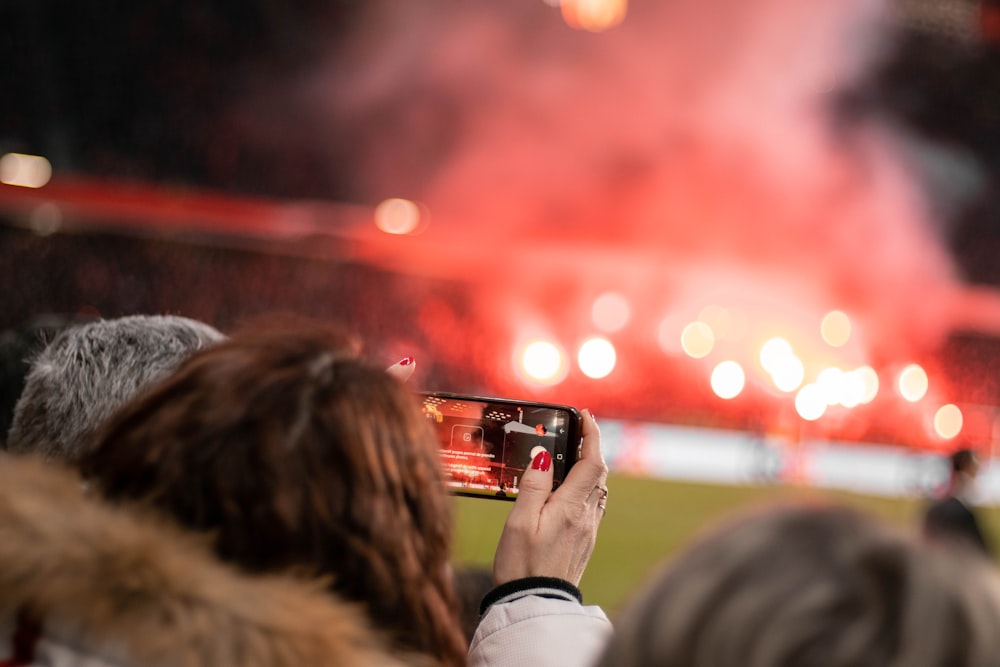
137 591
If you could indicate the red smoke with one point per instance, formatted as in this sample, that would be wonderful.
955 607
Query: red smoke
689 156
693 147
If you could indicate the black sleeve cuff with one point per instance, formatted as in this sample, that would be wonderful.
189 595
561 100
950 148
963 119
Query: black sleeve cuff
546 587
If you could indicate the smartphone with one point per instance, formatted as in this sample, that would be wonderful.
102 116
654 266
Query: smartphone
488 443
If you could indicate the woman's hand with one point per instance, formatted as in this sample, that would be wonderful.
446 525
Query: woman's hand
552 533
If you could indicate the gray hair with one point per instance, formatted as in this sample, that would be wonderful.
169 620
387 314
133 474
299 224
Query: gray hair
813 587
89 371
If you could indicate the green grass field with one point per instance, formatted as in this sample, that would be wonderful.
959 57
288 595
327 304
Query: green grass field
649 519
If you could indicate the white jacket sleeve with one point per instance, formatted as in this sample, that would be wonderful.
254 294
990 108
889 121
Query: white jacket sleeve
540 626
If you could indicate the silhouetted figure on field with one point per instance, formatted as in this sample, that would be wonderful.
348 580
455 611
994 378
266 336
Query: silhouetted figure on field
951 517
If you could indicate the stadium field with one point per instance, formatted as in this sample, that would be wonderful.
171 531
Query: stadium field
648 519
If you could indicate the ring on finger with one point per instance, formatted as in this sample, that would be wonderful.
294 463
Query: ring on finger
604 492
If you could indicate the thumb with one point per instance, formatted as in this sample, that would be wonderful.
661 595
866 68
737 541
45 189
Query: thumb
535 487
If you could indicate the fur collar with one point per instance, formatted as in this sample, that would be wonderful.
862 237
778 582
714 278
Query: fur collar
136 590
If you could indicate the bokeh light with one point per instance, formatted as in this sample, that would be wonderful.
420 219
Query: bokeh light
594 15
852 389
870 379
788 373
810 402
46 219
542 361
728 379
774 352
26 171
830 384
913 383
397 216
948 421
836 328
697 340
597 357
610 312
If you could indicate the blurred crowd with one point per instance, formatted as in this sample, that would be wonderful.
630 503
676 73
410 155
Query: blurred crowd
86 275
113 274
173 495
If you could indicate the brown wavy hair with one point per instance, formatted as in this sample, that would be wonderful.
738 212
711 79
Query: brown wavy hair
295 455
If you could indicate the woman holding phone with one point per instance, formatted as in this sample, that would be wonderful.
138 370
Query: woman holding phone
535 615
293 455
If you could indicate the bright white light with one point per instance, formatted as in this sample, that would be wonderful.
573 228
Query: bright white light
852 389
26 171
774 352
913 383
596 358
728 380
610 312
697 340
948 421
810 402
788 373
543 362
594 15
836 328
397 216
870 378
831 385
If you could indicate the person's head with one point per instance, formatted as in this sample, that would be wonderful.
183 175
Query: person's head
964 464
18 345
813 587
89 370
294 455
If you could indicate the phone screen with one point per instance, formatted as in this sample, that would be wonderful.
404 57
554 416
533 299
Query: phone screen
488 443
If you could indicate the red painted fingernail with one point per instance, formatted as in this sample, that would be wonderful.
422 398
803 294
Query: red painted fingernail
542 461
406 361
